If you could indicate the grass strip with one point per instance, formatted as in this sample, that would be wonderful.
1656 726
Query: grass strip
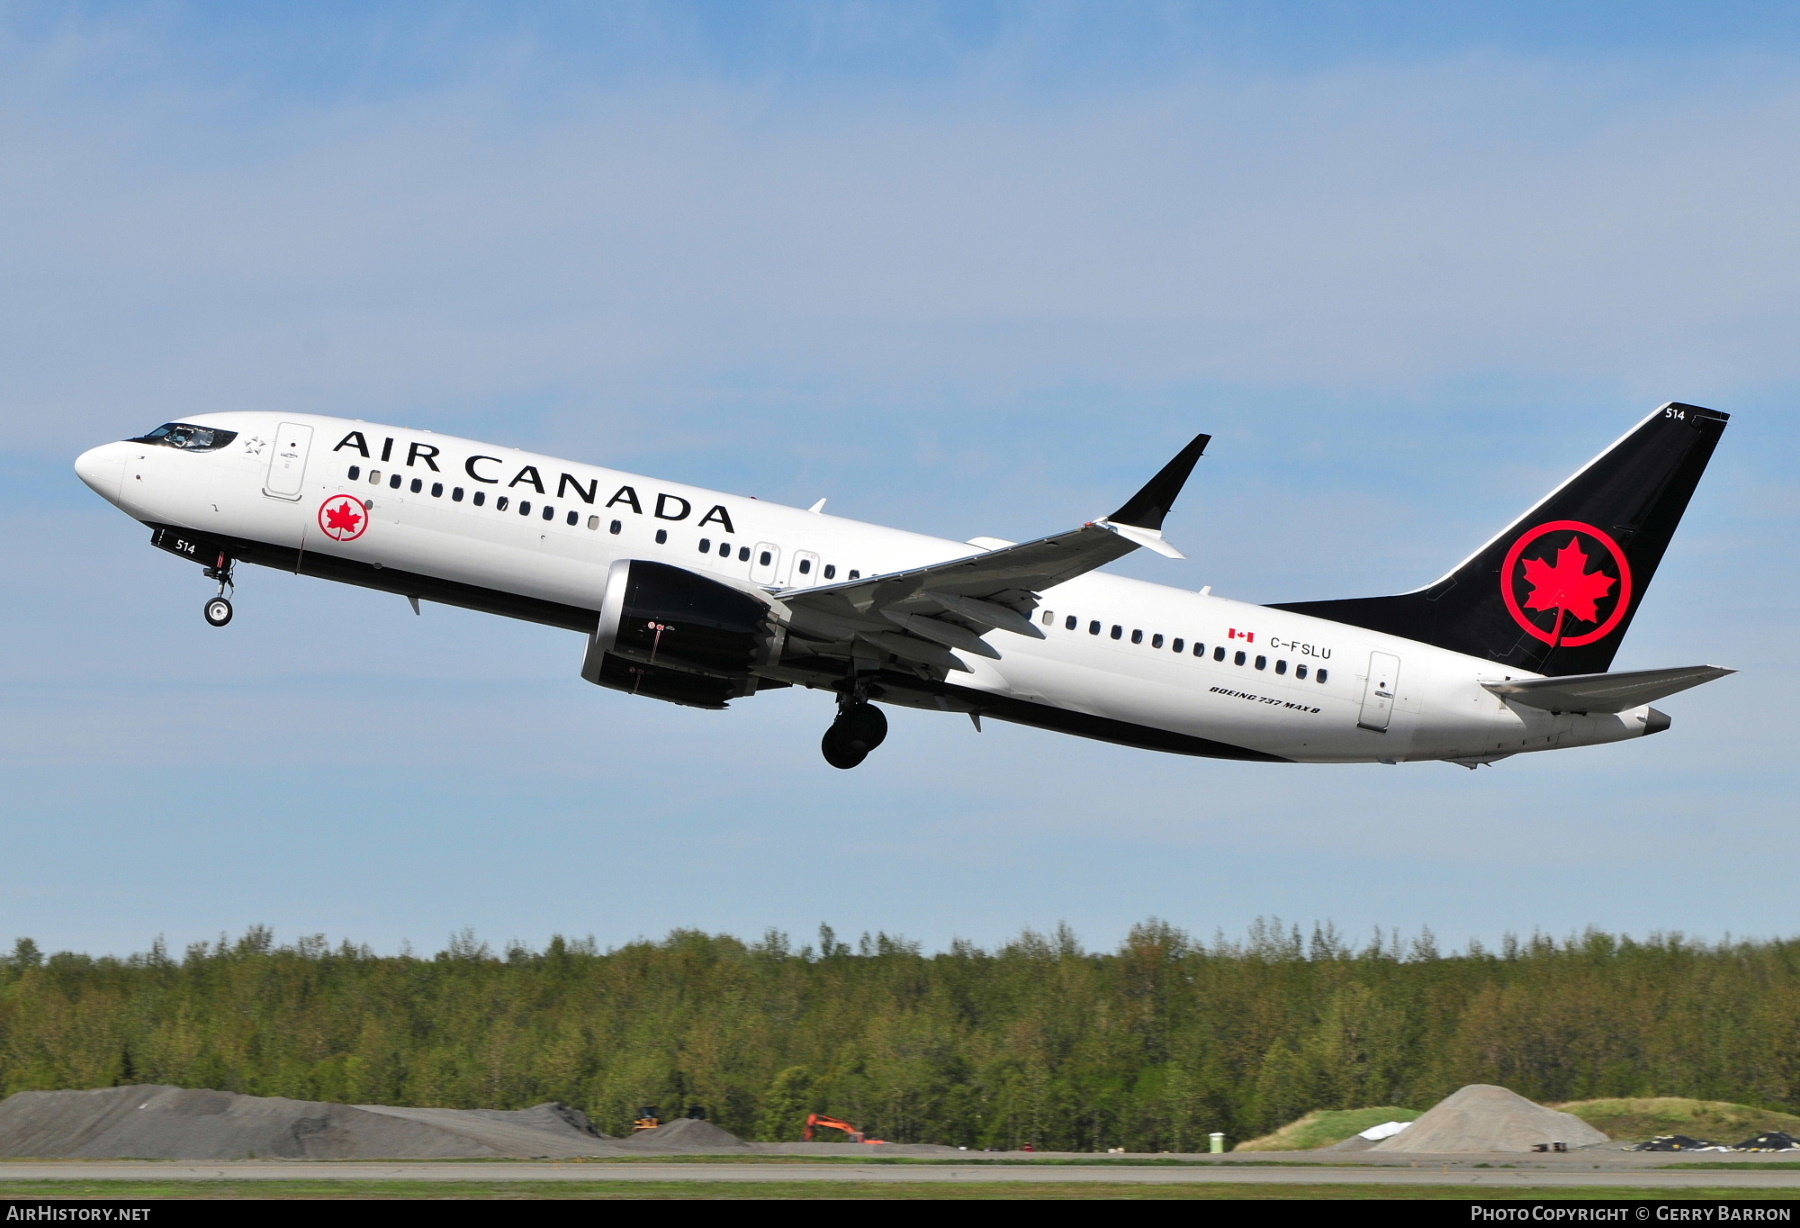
897 1190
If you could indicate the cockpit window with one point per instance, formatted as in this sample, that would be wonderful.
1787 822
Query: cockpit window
187 437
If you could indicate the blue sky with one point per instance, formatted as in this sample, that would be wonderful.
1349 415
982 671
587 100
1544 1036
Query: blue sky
968 269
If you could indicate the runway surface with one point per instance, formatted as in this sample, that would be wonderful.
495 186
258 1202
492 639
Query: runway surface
1611 1174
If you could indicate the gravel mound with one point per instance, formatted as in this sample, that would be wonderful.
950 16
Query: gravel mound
689 1136
171 1123
546 1130
1482 1117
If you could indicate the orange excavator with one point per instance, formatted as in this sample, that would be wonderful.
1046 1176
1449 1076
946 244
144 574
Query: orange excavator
832 1123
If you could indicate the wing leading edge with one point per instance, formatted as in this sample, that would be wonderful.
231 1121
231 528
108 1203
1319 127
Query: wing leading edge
921 614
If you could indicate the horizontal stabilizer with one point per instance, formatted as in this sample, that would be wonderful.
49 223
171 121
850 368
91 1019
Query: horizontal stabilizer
1604 692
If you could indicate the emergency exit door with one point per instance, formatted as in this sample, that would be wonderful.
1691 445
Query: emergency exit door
764 562
805 573
1379 691
287 461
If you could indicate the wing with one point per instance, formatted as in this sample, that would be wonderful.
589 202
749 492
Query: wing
921 614
1604 692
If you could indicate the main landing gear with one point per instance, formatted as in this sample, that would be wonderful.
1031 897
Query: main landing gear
218 609
859 728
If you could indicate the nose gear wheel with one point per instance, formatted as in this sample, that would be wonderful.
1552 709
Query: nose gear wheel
218 609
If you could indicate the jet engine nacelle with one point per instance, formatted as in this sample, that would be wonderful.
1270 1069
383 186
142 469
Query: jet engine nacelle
674 634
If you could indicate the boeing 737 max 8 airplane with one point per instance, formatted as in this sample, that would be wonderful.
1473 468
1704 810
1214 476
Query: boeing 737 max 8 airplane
698 597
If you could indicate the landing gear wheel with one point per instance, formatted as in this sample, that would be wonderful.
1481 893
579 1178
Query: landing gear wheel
836 753
859 728
862 727
218 611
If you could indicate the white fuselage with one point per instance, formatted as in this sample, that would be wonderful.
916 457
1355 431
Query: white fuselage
1287 685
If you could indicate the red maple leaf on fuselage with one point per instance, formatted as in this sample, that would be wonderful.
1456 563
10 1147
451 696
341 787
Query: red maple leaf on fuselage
341 517
1568 586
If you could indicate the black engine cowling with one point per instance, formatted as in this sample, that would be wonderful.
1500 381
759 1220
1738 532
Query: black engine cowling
674 634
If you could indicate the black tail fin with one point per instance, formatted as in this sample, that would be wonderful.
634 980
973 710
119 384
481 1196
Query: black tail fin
1555 591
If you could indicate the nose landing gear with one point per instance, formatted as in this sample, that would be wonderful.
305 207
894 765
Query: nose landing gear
859 728
218 609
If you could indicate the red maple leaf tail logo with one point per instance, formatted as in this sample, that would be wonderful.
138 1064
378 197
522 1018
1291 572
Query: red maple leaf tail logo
1567 587
342 518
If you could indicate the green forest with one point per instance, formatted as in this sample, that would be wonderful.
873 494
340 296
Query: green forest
1040 1042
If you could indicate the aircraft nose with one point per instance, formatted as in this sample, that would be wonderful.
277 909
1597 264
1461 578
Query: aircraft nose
102 468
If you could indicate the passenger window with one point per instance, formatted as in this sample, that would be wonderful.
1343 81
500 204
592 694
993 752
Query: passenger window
549 512
1281 667
355 472
394 482
437 490
744 556
1156 640
1094 627
1322 674
762 561
805 567
614 528
593 522
855 574
1262 663
574 519
1238 660
1117 631
724 550
1049 619
374 477
524 507
1137 637
1300 672
1219 654
480 497
456 495
706 545
1179 644
662 536
417 485
500 503
1199 649
831 571
1070 623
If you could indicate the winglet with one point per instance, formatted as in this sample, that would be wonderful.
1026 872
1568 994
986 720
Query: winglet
1146 509
1150 538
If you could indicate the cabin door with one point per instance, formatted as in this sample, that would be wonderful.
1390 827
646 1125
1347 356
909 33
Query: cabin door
1379 691
287 461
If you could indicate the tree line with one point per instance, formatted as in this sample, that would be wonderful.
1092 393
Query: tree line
1149 1047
